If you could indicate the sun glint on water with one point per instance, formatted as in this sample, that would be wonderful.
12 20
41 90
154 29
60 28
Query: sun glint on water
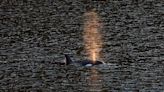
91 35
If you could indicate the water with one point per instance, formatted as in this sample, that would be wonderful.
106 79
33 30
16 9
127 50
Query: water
110 77
36 34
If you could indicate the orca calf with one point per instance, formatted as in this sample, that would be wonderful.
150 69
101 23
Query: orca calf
82 63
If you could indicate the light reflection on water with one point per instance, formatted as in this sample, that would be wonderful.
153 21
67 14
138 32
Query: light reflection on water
94 80
83 79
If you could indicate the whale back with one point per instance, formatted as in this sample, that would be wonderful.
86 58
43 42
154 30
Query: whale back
86 62
82 63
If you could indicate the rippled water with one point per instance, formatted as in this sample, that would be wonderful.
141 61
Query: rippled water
46 76
35 34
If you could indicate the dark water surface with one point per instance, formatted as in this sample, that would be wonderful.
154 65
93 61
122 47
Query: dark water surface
35 34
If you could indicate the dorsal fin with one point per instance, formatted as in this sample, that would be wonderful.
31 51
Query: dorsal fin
68 59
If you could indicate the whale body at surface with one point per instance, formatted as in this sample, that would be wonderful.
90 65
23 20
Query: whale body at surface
82 63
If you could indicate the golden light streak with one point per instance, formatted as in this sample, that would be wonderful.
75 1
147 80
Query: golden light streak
91 35
95 83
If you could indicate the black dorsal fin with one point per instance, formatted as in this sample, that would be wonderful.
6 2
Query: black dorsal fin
68 59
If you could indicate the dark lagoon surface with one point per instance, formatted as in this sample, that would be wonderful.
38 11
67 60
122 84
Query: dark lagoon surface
34 34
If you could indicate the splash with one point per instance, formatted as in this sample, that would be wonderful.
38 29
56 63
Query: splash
91 35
